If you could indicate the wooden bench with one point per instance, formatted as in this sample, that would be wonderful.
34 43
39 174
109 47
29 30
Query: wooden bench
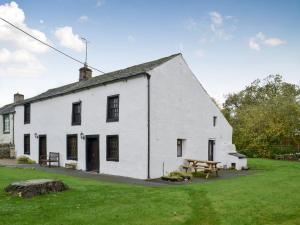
53 158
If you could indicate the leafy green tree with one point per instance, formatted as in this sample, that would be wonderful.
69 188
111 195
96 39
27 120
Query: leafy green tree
264 114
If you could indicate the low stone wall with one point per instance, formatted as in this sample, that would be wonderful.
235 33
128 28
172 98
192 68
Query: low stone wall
5 150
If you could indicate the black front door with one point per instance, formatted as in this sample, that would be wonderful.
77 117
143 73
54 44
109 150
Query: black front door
42 147
92 153
211 147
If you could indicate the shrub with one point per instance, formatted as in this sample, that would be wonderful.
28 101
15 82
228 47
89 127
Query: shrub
199 174
25 160
184 175
172 178
178 176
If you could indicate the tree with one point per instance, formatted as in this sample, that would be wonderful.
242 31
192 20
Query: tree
265 113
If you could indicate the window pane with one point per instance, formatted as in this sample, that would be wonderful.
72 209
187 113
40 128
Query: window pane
27 144
112 144
6 124
72 147
76 114
113 108
179 147
27 113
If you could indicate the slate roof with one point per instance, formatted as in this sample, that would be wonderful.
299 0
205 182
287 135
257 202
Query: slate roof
10 108
100 80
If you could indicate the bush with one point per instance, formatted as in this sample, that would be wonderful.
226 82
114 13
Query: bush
172 178
178 176
184 175
268 151
199 174
25 160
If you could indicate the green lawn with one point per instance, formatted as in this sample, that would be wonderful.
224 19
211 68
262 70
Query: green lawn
269 196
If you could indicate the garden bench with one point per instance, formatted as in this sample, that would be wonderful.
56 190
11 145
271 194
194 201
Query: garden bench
53 158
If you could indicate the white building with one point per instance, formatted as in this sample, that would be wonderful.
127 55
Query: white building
140 122
7 115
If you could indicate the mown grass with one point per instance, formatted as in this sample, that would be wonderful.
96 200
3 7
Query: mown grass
269 196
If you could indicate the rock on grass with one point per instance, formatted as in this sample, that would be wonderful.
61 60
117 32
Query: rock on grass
31 188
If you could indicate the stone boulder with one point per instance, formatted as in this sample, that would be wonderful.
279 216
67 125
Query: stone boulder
31 188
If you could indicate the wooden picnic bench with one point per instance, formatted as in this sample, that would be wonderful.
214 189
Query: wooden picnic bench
206 166
53 158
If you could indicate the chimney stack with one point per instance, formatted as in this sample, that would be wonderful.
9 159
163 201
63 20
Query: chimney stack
85 73
18 98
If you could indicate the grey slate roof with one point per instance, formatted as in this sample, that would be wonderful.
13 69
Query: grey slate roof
10 108
100 80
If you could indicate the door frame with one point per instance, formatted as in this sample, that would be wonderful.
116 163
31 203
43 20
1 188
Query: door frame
96 136
39 146
213 148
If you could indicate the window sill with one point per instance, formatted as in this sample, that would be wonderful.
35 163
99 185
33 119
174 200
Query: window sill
76 124
6 132
26 153
72 159
112 120
112 160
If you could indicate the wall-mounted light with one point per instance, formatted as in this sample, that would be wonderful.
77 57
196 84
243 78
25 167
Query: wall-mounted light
36 135
82 136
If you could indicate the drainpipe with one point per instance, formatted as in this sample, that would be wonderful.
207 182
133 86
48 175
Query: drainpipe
148 124
13 131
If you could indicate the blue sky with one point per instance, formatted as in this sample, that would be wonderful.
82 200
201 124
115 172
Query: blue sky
227 44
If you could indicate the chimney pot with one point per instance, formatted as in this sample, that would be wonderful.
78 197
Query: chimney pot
18 98
85 73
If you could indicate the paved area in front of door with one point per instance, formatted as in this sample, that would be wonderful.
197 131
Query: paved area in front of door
223 174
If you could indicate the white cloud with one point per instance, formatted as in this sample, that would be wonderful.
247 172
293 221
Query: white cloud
274 42
253 44
99 3
83 19
41 21
218 26
21 59
19 63
261 39
12 13
216 18
130 38
68 39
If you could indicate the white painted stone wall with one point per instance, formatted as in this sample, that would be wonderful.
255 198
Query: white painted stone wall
53 118
181 109
6 138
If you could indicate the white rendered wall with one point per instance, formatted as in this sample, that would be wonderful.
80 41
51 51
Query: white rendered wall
53 118
6 138
181 109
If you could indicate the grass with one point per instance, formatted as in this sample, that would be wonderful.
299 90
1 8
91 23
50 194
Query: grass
270 196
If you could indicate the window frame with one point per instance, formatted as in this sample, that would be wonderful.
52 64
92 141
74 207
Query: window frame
26 151
112 159
181 146
27 114
67 147
76 123
215 121
4 130
108 109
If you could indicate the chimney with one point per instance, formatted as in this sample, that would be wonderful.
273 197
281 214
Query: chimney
85 73
18 98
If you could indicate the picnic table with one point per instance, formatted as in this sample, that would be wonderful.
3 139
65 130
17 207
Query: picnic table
206 166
